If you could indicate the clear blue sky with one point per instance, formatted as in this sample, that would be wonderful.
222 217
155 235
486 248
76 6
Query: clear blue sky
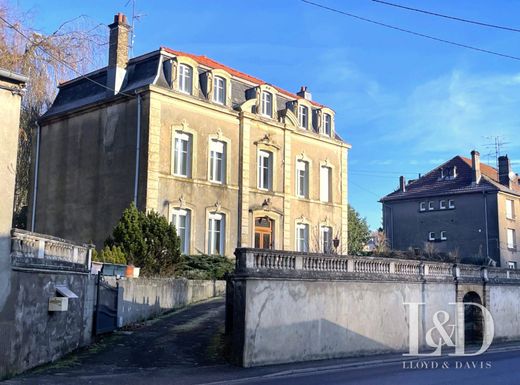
405 103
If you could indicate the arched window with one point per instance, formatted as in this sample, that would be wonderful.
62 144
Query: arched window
185 78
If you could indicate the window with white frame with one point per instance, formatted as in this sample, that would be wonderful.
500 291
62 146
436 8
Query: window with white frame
265 170
326 239
442 204
325 183
219 90
431 205
185 78
511 239
302 179
327 124
451 204
444 236
303 116
217 161
431 236
511 265
422 206
267 103
216 233
510 209
181 219
182 154
302 237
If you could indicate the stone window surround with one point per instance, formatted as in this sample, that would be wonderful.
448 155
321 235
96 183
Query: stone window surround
211 75
176 62
332 170
227 163
183 127
188 207
227 225
308 161
259 102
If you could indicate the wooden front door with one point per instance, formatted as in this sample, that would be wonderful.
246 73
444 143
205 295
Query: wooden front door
264 227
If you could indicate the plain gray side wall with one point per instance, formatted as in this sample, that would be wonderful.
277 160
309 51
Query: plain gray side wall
406 226
36 335
144 298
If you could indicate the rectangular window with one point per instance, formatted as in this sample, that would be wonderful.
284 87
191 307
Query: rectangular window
430 205
267 104
265 170
327 124
302 237
444 236
511 265
431 236
219 90
302 179
511 239
442 205
451 204
422 206
303 115
185 78
182 154
216 231
510 209
326 239
217 161
181 221
325 183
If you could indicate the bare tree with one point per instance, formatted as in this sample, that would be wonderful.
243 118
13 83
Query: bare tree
47 59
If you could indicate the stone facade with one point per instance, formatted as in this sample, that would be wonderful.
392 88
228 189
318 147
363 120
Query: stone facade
186 136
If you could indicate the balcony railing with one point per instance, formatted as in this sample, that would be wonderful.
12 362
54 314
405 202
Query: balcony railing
32 250
294 264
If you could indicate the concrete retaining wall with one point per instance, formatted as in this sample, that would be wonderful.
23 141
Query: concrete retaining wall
143 298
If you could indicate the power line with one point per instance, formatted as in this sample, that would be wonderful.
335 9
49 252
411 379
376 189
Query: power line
411 32
480 23
58 59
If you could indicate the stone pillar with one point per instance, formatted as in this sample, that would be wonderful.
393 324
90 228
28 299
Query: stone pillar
287 228
244 234
344 202
11 86
152 169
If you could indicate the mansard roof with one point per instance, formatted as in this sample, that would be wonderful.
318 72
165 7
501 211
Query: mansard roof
434 184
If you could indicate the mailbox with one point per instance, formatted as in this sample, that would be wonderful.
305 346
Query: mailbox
58 304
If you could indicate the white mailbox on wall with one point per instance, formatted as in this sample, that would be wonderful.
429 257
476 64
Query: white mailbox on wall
61 301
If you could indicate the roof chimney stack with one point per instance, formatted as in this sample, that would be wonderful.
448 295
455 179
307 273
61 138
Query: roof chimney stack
504 171
402 184
304 93
117 52
475 166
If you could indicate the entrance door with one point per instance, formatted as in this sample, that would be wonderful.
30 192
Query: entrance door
264 227
473 325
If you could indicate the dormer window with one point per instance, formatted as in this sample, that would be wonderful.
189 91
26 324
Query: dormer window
448 172
219 90
327 124
185 78
267 104
303 115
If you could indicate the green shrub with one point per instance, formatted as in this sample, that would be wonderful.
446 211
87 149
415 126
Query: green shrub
110 254
204 266
148 241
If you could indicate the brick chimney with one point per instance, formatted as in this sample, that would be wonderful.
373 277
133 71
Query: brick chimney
504 170
402 184
304 93
475 166
117 52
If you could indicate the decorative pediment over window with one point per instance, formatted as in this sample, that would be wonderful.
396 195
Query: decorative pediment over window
267 141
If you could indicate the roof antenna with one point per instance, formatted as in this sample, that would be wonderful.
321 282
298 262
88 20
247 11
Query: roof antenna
134 18
495 146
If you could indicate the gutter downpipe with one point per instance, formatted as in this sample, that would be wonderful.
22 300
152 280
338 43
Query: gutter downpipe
484 195
137 148
36 167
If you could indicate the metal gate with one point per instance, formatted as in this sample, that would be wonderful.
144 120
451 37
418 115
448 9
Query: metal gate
105 317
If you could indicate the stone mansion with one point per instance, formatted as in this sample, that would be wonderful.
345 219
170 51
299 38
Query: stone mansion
231 160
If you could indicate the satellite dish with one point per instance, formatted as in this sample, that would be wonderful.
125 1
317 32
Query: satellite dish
512 175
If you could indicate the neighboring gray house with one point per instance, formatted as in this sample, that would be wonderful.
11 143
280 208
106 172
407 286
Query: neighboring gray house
462 207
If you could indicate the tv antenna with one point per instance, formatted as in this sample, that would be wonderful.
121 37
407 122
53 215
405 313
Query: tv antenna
495 146
135 17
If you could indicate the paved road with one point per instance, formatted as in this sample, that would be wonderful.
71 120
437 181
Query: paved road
186 348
